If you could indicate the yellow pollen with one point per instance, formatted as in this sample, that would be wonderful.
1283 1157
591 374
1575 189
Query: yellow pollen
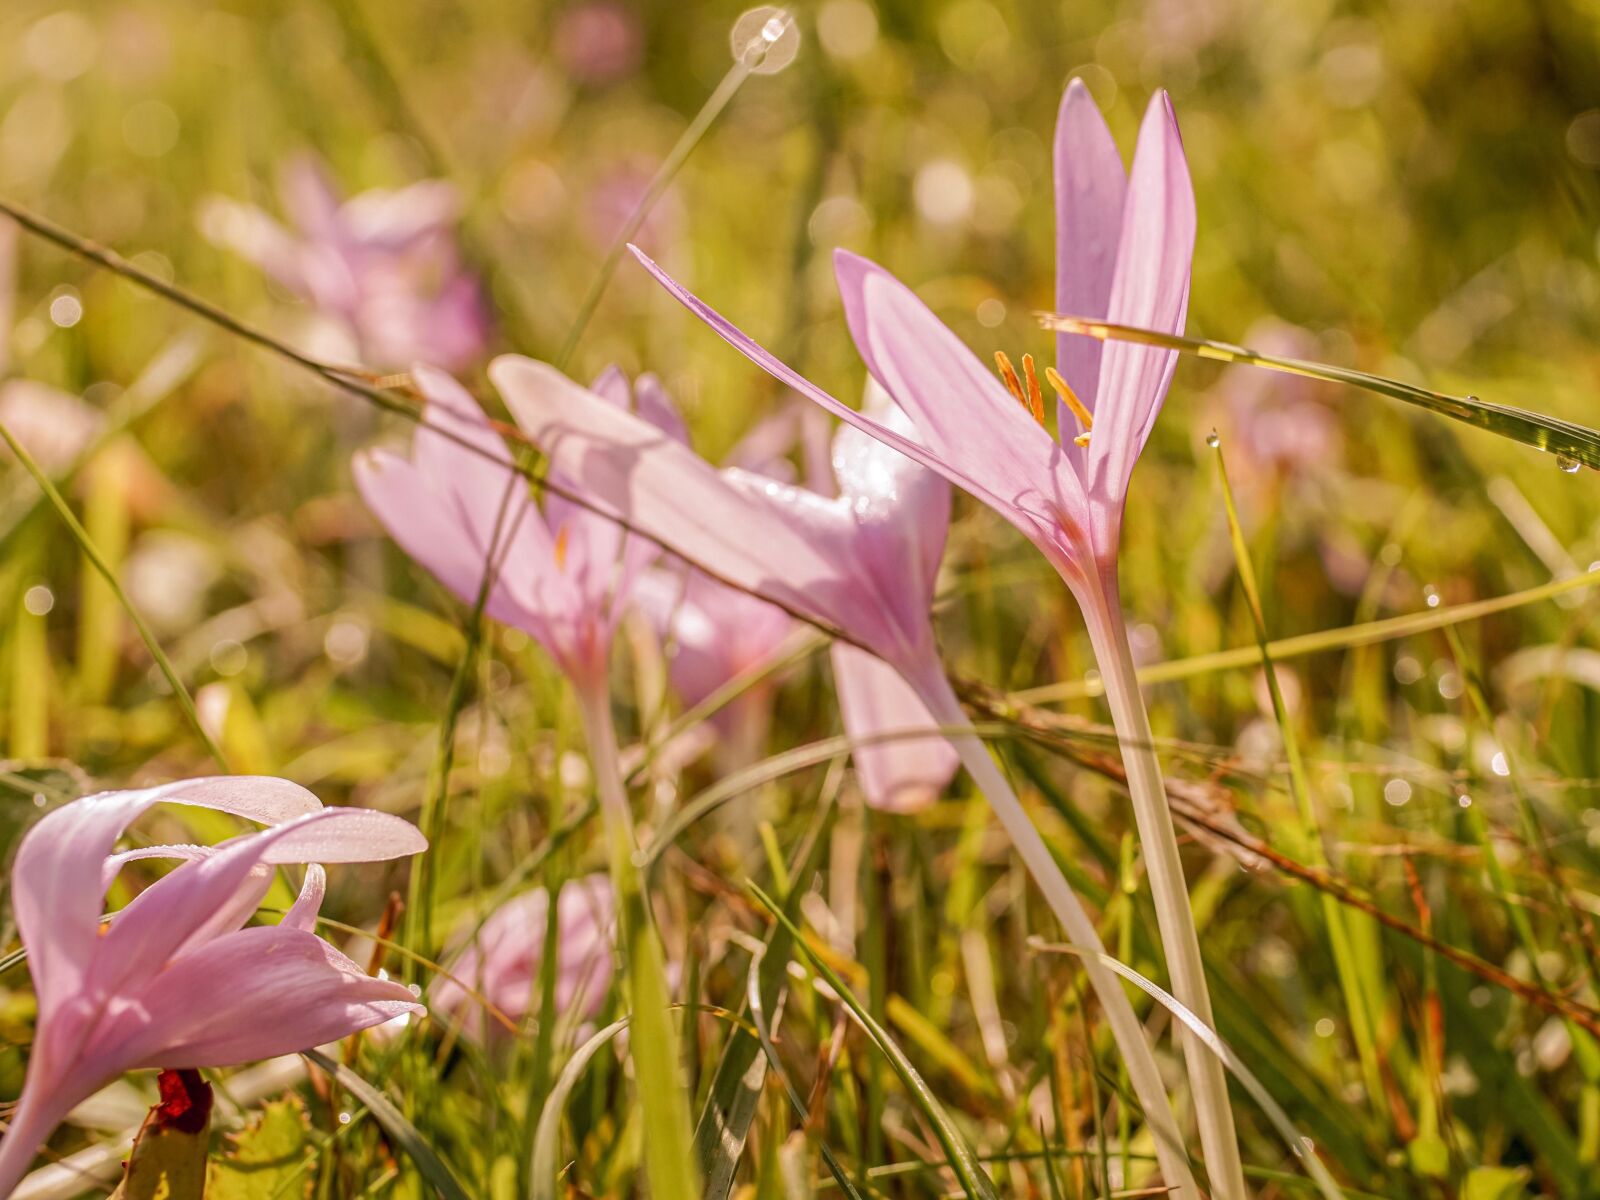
1070 399
561 547
1035 394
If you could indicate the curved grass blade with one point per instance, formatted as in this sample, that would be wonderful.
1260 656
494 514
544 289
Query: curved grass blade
758 1017
1298 1145
1570 442
547 1137
401 1131
963 1161
730 1106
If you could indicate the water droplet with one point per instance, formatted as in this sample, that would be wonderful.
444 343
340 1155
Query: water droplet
1213 440
765 39
1431 595
1569 466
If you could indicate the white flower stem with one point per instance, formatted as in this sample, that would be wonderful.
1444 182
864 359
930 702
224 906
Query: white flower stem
936 692
653 1041
1207 1077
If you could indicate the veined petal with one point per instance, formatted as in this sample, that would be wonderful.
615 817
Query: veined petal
736 530
983 440
751 349
267 990
960 409
904 775
1151 290
202 900
1091 185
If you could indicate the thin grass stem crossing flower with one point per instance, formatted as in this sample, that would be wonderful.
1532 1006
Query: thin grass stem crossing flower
176 979
1124 241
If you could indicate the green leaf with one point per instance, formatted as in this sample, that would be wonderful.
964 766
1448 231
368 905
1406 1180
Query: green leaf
268 1159
1495 1183
168 1160
547 1139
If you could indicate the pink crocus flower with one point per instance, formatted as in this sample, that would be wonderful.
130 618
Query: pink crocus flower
176 980
502 961
865 560
384 264
1124 245
856 566
565 575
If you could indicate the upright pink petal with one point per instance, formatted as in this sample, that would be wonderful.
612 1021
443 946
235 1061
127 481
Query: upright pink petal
985 440
904 775
1090 187
1151 290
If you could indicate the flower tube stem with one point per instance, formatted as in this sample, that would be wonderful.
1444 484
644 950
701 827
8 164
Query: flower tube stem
1145 1076
1208 1080
653 1041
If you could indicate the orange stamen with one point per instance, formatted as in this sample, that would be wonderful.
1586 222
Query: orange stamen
1008 376
561 547
1070 399
1035 393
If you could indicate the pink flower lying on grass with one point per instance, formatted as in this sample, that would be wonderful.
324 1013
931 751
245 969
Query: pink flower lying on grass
383 264
501 963
176 980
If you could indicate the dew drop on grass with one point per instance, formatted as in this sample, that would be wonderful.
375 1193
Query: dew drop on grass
1568 465
1213 440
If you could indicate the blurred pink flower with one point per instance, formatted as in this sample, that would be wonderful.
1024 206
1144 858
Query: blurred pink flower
863 563
502 962
384 264
1273 425
716 634
598 42
54 426
566 575
176 980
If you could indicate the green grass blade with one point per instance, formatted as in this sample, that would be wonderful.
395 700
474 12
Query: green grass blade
401 1131
730 1106
547 1138
974 1182
1570 442
1344 959
92 554
1274 1112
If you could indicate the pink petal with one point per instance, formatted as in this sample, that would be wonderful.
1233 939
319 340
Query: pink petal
735 529
57 887
203 900
303 912
1151 290
254 994
1090 186
742 342
903 775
